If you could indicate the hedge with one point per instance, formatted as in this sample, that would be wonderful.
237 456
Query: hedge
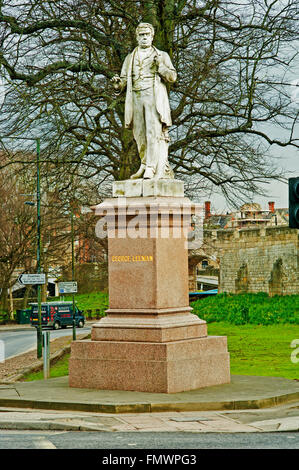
257 309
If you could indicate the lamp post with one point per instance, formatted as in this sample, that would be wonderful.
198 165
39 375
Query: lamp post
38 253
38 250
73 272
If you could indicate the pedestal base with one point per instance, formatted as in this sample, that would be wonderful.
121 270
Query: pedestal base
170 367
154 326
149 341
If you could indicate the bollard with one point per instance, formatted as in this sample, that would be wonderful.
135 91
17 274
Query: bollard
46 344
2 351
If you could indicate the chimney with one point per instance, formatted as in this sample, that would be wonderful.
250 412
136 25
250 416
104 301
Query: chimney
271 206
207 209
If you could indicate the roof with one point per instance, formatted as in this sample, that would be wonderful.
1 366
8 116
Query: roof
195 295
51 303
211 291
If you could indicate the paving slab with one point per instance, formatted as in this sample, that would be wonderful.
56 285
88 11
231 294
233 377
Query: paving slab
280 424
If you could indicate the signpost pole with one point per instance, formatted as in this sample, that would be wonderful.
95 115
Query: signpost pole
39 326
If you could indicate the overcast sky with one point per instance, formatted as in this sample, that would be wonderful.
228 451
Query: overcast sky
288 159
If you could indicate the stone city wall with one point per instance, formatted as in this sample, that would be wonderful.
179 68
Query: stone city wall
258 259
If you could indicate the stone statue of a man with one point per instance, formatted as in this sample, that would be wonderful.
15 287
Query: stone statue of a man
147 111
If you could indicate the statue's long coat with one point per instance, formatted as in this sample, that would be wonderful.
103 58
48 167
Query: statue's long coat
160 92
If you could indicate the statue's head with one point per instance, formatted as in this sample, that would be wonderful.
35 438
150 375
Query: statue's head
145 34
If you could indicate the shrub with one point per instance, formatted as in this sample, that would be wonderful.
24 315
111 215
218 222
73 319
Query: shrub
4 317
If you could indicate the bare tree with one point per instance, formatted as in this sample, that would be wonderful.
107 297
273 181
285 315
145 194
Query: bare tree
18 222
17 234
234 62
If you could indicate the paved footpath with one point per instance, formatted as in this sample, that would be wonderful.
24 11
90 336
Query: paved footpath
282 418
247 404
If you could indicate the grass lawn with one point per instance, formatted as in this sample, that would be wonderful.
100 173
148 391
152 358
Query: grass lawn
59 369
260 350
92 301
254 350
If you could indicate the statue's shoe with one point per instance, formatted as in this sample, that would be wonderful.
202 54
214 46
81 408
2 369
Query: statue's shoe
149 174
139 173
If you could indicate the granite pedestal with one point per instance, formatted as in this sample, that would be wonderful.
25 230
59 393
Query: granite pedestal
149 341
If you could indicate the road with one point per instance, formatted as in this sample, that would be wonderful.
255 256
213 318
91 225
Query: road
19 342
146 440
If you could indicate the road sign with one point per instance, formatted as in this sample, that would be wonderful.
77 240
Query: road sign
69 287
30 279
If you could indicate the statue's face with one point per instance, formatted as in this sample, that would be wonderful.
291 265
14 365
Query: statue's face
144 38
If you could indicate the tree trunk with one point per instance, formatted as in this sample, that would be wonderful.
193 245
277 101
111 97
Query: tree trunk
11 305
26 297
45 290
4 299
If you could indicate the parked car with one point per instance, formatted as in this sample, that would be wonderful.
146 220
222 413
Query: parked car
56 315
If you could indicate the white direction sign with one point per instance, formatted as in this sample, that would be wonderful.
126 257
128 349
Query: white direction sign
69 287
30 279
